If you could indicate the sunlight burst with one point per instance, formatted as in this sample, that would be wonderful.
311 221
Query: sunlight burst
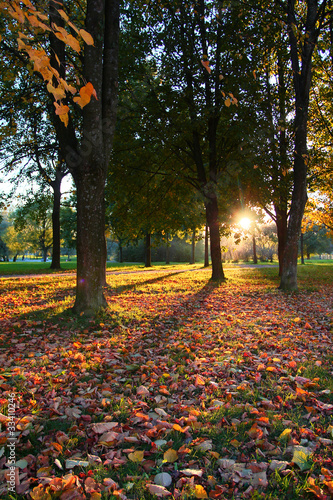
245 223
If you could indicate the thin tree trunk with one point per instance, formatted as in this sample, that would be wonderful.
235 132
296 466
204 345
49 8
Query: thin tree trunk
120 249
254 246
192 259
302 249
206 263
167 250
148 250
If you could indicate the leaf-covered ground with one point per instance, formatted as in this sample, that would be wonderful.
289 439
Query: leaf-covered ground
183 389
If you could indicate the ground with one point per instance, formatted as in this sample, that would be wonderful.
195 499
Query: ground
183 388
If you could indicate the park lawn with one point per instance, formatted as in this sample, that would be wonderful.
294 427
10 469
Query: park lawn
38 267
227 390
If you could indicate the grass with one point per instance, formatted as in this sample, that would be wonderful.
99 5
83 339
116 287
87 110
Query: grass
226 369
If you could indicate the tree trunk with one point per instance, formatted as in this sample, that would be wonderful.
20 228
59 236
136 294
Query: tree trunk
148 250
302 249
55 264
88 161
302 81
254 246
91 244
167 250
192 259
206 263
281 227
215 244
120 249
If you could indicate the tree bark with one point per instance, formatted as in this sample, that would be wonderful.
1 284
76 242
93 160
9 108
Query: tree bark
212 214
91 245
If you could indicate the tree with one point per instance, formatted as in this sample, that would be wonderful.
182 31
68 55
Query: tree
88 159
33 222
304 24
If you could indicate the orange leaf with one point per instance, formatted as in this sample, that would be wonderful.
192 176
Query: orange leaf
200 492
206 65
87 37
85 95
199 381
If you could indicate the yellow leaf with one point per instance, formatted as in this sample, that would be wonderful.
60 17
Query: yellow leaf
136 456
285 435
200 491
227 102
87 37
301 458
170 455
38 493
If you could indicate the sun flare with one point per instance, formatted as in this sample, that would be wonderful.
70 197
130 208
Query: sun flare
245 223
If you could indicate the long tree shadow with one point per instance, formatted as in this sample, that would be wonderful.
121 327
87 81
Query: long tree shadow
133 286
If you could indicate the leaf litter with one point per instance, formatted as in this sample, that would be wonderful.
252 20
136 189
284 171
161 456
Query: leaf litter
183 389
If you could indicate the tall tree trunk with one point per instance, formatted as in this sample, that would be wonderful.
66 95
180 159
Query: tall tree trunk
302 82
206 262
55 264
212 214
148 250
192 259
88 162
254 246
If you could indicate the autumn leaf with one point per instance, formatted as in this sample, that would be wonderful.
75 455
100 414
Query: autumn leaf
205 64
301 458
157 490
136 456
86 37
200 492
85 95
170 455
